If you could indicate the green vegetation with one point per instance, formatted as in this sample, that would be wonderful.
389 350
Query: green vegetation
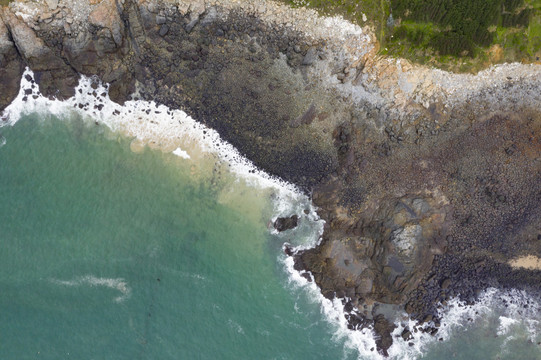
458 35
462 24
465 34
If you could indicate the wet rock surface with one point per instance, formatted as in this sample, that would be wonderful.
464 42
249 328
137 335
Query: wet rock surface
286 223
11 66
428 182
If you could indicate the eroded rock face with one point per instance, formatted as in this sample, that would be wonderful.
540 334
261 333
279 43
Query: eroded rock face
463 202
11 66
107 21
382 257
55 77
428 181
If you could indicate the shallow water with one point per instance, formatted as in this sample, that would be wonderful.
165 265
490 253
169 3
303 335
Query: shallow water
111 254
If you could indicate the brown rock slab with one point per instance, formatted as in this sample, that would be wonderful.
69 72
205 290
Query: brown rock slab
11 66
54 76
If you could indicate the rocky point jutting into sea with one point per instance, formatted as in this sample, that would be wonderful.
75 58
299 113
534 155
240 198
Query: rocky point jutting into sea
428 181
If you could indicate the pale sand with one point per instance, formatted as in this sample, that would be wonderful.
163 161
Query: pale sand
529 262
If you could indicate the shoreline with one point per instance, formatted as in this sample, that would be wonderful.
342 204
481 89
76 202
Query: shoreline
148 125
423 177
355 340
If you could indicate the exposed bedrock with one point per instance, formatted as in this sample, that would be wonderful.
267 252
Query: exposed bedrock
429 182
421 223
286 223
54 76
11 66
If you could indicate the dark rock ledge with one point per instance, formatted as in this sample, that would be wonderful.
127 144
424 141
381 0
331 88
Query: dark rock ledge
426 194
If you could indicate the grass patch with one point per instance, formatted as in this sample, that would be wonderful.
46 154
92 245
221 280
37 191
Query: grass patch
465 35
4 2
457 35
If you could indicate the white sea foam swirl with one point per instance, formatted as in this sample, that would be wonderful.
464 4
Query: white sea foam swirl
90 280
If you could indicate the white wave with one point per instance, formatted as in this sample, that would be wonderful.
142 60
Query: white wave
173 130
513 309
235 326
90 280
506 306
156 126
333 311
181 153
505 325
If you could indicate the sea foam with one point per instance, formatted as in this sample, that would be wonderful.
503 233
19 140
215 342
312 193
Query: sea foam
156 126
89 280
513 311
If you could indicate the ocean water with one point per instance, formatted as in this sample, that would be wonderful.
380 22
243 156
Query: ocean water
119 246
108 254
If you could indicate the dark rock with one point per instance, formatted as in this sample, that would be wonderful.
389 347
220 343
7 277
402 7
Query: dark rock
288 250
388 231
164 29
11 66
54 76
406 335
383 329
160 19
306 118
286 223
191 25
446 283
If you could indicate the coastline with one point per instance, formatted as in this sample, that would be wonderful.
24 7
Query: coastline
411 168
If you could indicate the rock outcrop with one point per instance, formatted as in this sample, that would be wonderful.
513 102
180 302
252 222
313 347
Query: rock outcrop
11 66
286 223
428 181
55 77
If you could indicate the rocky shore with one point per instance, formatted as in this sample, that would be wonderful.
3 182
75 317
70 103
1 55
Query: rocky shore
429 182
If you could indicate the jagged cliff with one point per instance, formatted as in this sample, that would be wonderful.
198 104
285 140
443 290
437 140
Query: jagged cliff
429 182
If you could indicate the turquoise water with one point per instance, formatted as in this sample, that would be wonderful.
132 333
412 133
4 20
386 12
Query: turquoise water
109 254
78 208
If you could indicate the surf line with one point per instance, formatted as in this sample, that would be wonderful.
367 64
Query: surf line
508 308
152 124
